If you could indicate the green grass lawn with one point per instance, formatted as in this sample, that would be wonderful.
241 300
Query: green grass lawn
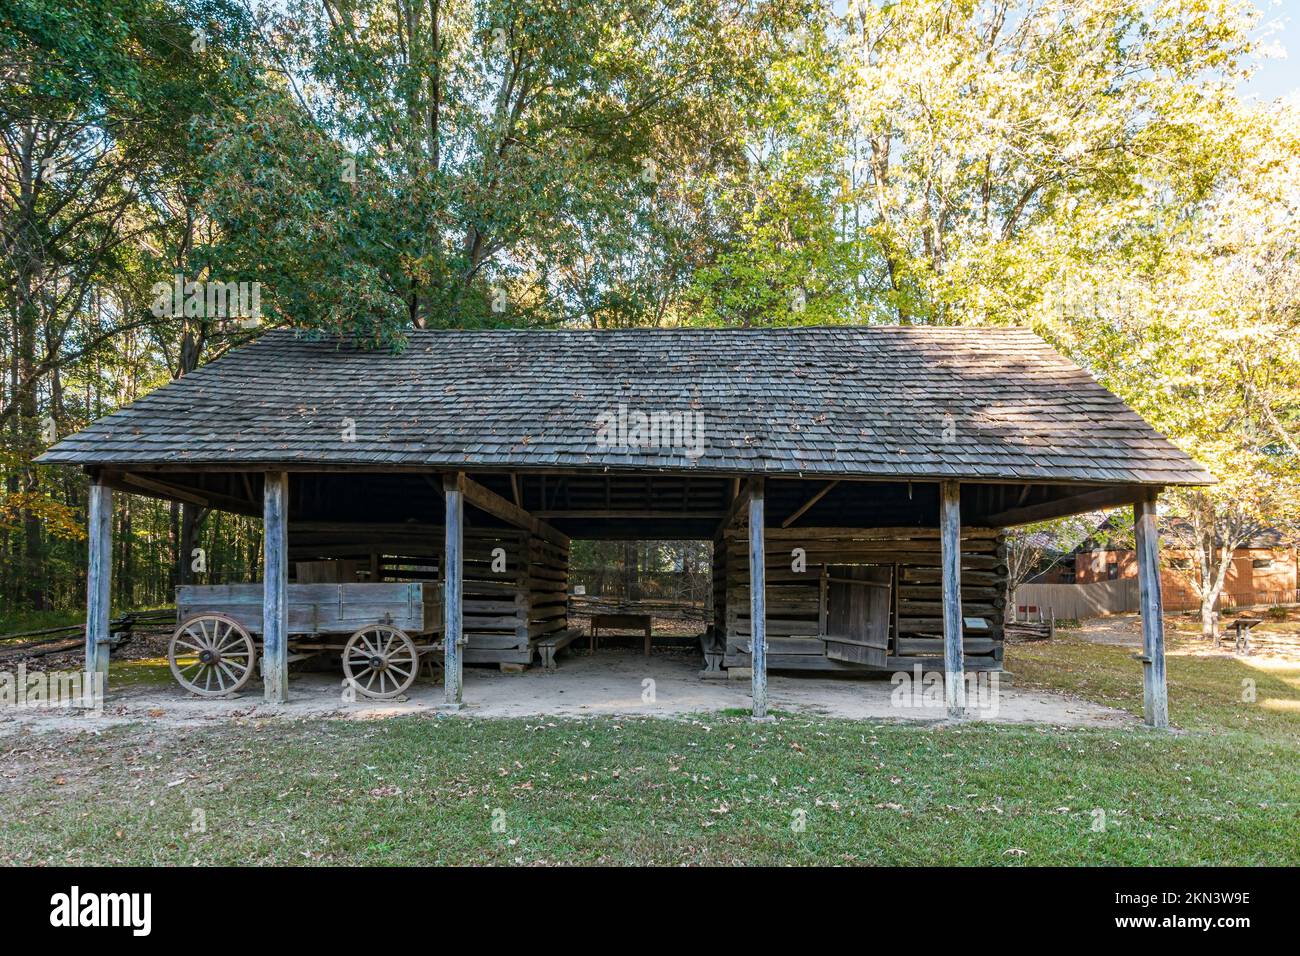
710 790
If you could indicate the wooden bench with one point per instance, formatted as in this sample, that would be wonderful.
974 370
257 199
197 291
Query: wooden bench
713 650
548 647
639 622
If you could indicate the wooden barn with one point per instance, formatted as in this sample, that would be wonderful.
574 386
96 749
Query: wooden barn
854 482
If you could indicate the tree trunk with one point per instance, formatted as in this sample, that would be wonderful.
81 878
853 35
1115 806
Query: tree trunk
1209 629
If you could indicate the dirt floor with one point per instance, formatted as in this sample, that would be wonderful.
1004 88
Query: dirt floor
613 681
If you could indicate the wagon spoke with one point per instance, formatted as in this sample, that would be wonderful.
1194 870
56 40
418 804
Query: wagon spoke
226 671
380 661
211 655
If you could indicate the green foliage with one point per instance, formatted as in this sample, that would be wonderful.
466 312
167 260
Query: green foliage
1083 166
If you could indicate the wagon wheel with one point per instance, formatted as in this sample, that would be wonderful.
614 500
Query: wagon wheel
211 655
380 661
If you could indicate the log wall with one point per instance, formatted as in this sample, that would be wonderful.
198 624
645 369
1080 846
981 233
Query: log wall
795 615
506 612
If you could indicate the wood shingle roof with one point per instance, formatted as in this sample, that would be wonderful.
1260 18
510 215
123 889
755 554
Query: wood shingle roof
880 402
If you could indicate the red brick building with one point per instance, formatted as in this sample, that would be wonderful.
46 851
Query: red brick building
1264 571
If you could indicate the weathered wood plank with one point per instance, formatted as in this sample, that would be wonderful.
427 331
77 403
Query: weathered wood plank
950 537
99 579
803 509
275 604
757 600
453 611
1155 699
491 502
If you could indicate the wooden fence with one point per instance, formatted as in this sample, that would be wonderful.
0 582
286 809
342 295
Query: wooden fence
1077 601
1080 601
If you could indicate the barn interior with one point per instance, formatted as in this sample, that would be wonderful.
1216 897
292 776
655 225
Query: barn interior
853 568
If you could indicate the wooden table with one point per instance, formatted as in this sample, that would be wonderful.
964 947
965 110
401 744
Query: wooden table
640 622
1242 626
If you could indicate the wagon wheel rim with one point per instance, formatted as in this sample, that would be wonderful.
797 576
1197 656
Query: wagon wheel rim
211 655
380 662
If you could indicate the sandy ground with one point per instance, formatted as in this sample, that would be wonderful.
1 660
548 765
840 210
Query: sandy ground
1271 643
613 682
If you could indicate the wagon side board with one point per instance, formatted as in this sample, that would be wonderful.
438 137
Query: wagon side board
413 607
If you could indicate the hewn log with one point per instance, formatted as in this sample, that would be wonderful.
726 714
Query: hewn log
99 576
757 600
808 504
275 601
950 528
739 502
488 500
453 575
1155 701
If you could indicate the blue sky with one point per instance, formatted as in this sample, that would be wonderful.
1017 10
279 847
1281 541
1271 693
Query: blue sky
1279 76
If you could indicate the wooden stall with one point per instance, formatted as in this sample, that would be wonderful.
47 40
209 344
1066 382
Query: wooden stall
854 599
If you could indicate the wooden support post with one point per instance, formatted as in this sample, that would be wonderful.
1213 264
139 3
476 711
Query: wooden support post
1155 701
99 577
954 678
453 620
275 587
757 600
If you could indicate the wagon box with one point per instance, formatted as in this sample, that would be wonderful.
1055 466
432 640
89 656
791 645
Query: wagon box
413 607
387 626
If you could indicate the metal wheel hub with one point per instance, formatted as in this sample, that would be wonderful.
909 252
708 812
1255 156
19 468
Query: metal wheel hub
208 656
378 663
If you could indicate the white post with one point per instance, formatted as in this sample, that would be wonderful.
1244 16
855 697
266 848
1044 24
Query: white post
452 578
954 678
99 578
275 588
757 600
1155 700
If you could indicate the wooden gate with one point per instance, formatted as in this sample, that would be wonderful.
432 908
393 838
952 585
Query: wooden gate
857 613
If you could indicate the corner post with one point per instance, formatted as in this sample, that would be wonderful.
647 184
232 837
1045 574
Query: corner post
1155 700
99 578
757 600
275 587
954 678
452 588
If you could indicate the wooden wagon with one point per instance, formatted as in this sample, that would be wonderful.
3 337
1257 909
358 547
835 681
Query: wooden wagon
381 632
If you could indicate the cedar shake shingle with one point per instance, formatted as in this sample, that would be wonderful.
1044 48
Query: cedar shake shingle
848 401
